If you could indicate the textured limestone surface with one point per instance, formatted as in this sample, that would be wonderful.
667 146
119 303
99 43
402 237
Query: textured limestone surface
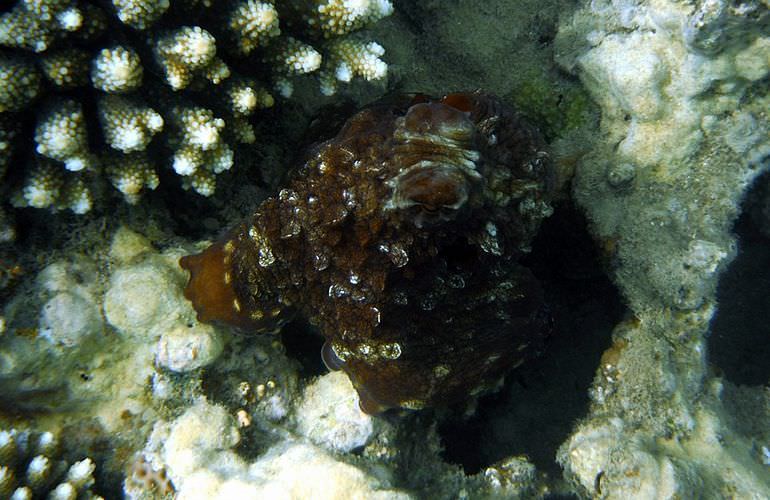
197 451
329 414
684 132
106 325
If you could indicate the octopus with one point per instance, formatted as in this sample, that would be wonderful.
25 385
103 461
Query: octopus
400 239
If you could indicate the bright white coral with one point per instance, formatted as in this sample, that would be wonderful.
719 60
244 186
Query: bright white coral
61 135
127 125
70 19
131 175
32 466
140 14
296 58
205 165
202 181
340 17
34 25
199 127
47 187
90 49
201 153
246 97
350 58
185 52
117 69
291 57
253 24
43 186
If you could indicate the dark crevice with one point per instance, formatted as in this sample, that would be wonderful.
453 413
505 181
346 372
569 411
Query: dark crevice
540 402
303 343
739 340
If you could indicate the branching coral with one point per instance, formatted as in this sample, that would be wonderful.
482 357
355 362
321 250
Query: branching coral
30 467
119 91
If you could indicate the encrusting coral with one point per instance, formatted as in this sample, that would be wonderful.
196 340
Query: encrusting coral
197 451
148 69
683 92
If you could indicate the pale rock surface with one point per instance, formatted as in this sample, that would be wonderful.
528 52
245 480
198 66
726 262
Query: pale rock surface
329 414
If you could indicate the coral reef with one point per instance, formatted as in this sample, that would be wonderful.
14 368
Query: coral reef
100 348
684 130
116 343
330 417
115 330
397 235
31 467
196 450
122 90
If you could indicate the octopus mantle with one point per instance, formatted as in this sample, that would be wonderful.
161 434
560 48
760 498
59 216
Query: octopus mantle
399 239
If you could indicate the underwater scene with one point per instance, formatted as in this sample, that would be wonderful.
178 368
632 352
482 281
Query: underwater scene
384 249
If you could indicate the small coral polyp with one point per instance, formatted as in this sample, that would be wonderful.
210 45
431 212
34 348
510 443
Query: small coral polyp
400 239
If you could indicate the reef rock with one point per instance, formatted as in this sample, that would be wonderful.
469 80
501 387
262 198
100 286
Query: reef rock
399 238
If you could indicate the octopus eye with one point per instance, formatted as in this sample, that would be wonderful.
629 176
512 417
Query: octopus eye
330 358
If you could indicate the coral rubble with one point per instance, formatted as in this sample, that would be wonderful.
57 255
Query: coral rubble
330 417
398 235
197 451
102 82
101 332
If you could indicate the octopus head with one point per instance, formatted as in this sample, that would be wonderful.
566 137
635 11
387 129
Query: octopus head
429 192
436 162
444 123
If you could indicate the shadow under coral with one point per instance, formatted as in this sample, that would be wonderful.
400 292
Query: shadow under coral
738 341
540 402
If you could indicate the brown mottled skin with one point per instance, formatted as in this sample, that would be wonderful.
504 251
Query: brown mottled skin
399 238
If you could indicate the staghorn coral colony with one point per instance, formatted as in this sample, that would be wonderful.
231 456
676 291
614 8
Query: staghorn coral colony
120 90
110 385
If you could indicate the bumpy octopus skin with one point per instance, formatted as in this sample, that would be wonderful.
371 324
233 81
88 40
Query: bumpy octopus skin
399 239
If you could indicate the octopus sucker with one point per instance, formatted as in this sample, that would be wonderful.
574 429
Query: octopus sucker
400 238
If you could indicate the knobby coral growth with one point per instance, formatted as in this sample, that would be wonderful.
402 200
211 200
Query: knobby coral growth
118 90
